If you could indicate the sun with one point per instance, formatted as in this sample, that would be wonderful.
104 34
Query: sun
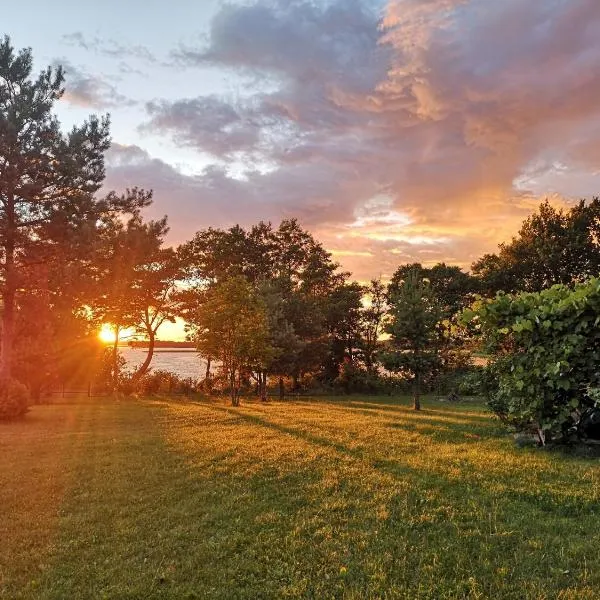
107 334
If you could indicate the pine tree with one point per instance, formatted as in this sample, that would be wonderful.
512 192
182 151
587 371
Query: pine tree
47 178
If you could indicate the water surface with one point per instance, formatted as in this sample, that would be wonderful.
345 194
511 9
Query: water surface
181 361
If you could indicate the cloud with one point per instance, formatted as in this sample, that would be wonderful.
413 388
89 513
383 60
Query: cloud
323 43
109 47
215 198
418 128
208 123
90 91
500 86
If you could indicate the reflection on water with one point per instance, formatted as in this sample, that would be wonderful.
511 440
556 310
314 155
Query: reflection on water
182 362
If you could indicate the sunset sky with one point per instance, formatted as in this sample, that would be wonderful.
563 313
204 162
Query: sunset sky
396 131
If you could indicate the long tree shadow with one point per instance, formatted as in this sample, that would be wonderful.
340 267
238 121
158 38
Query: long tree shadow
539 501
447 432
456 428
457 415
307 530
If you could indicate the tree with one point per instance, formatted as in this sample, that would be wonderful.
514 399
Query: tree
414 316
343 319
453 290
372 323
294 271
56 342
553 246
47 178
452 287
157 278
135 275
232 326
217 254
287 345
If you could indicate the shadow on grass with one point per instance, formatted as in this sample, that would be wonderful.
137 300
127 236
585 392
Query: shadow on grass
442 431
537 501
461 414
149 518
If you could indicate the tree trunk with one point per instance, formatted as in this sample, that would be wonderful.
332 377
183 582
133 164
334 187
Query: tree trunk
232 386
8 300
417 392
263 386
143 368
8 324
207 375
115 360
281 389
258 387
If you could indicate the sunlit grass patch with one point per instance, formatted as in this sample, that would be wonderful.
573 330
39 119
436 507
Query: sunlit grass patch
358 498
36 457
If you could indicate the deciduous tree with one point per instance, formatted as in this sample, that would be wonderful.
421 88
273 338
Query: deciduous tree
414 340
372 323
553 246
232 326
135 274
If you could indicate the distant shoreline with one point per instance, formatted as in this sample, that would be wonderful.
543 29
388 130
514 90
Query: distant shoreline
160 344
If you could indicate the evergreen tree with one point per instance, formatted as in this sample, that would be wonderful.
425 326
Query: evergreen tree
47 178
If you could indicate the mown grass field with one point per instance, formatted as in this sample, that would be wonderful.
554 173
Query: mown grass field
357 498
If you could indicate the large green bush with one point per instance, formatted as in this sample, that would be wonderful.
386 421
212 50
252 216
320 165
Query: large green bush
545 350
14 399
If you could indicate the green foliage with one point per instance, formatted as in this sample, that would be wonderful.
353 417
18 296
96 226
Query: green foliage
111 374
47 181
14 399
372 322
546 351
343 321
295 279
232 325
355 379
55 345
156 383
553 246
451 290
414 339
471 383
451 286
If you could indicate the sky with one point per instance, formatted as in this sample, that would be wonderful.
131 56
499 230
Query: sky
395 130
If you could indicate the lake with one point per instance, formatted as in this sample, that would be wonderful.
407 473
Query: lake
182 362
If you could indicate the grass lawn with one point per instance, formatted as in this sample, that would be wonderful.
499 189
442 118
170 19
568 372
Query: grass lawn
357 498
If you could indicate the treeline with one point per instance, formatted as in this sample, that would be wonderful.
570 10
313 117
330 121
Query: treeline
267 305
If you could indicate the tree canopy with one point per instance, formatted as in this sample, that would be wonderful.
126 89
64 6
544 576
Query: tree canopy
47 178
414 316
553 246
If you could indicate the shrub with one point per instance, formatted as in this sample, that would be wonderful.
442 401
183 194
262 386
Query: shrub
356 380
103 380
164 383
472 382
14 399
546 351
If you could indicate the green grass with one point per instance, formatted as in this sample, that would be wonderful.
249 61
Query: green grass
359 498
